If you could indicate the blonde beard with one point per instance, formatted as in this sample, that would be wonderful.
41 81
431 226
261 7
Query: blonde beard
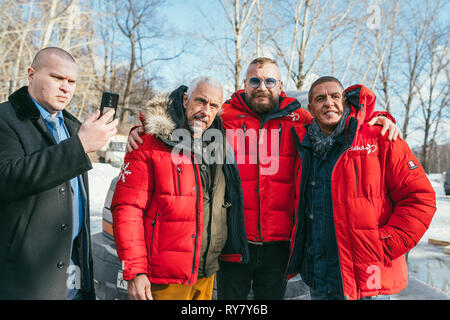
261 108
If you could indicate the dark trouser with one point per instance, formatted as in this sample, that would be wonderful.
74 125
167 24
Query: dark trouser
266 269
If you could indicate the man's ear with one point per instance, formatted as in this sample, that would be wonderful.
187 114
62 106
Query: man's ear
30 72
344 102
185 100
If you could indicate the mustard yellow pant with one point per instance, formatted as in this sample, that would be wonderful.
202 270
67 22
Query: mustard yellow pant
201 290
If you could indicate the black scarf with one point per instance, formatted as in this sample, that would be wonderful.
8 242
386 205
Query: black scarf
322 143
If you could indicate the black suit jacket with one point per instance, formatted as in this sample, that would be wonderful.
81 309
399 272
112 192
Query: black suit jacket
36 202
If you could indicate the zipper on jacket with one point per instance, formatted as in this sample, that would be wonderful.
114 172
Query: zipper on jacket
211 199
357 185
153 233
244 129
259 181
306 166
178 179
279 138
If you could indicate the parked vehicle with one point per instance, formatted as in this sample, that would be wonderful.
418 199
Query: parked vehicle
447 182
108 279
114 151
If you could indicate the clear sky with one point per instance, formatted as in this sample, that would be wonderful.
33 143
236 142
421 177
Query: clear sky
186 20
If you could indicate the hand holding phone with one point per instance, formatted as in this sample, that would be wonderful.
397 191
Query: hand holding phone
109 101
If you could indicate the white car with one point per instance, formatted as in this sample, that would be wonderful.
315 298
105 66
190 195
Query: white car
114 151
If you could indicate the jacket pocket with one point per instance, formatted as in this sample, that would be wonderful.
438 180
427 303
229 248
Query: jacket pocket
356 179
246 146
222 227
178 179
280 129
386 248
153 232
17 238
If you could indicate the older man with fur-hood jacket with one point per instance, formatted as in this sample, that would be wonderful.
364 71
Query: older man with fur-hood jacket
178 200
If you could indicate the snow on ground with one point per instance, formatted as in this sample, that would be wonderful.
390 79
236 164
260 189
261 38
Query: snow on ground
440 225
427 263
99 180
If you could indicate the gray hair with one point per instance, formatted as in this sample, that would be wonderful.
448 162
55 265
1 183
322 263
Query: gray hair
203 79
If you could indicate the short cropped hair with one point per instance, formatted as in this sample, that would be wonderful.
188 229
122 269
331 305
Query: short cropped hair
322 80
261 61
37 61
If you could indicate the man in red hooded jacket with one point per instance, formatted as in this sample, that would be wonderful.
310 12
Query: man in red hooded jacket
363 201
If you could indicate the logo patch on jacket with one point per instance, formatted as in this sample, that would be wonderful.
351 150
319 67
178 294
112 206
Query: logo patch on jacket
294 116
370 148
412 165
124 172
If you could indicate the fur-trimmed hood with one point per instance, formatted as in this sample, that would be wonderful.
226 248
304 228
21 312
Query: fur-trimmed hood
156 118
165 113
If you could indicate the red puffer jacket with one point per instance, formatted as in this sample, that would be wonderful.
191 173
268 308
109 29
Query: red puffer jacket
150 184
267 179
383 203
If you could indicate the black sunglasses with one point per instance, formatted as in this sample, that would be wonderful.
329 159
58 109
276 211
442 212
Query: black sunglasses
268 82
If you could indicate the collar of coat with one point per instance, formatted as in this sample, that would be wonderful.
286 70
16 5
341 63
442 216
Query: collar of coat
26 108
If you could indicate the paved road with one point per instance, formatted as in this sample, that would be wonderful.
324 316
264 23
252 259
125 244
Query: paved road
419 290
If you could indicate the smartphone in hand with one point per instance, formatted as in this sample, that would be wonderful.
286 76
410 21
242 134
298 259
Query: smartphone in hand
109 101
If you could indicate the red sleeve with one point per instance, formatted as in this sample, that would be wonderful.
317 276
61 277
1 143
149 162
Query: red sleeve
131 198
413 197
306 115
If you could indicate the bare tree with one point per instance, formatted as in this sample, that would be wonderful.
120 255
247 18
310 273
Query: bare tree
239 14
317 24
137 22
382 39
433 91
414 40
27 26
